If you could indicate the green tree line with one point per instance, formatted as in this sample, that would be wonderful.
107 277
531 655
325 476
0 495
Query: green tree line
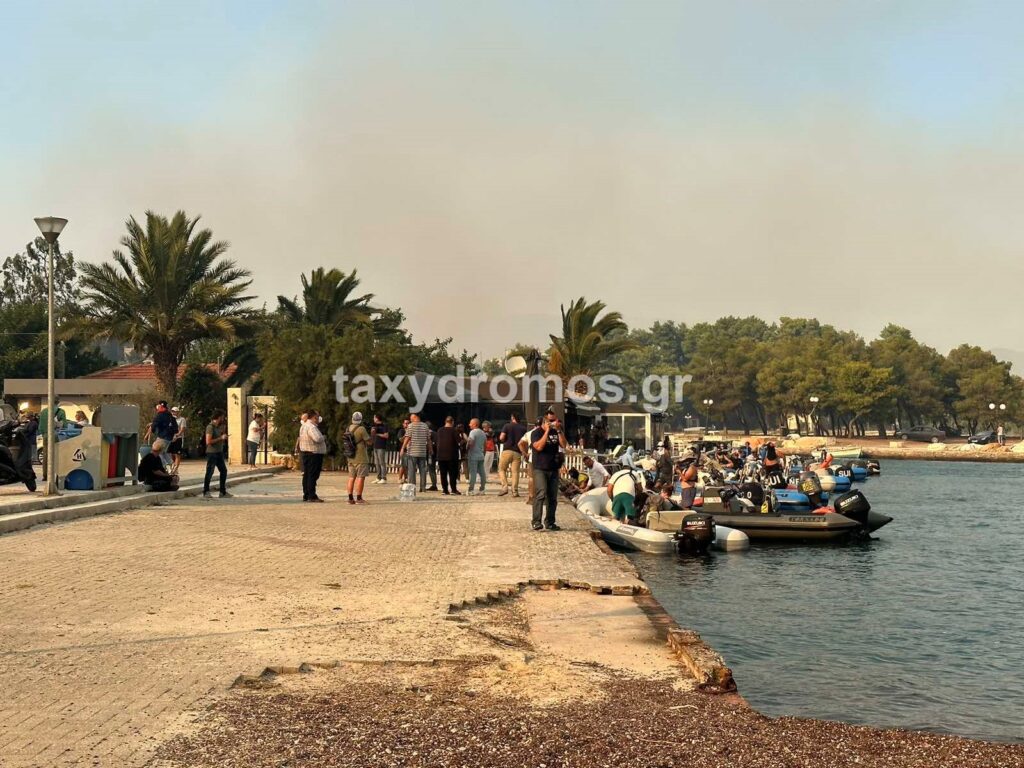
760 374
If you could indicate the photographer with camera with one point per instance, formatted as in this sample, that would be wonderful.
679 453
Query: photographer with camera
548 443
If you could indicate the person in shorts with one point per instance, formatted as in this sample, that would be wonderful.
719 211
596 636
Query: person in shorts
177 447
358 465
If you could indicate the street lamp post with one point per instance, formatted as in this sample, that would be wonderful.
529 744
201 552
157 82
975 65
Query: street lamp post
708 402
814 406
50 227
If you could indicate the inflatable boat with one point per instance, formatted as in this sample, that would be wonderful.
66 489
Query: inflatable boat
664 539
791 515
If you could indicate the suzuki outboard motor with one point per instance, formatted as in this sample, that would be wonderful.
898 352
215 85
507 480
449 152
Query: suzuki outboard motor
696 534
842 471
853 505
809 484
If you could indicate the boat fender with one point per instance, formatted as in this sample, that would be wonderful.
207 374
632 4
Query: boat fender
822 511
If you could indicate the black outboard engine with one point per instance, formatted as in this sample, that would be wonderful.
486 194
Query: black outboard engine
853 505
752 492
874 467
810 486
696 534
842 470
16 455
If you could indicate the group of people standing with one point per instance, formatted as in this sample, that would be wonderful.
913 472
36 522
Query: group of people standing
159 468
446 453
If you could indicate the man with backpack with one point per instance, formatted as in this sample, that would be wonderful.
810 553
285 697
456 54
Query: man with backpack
312 447
355 444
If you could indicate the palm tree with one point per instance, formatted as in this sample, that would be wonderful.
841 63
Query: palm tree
587 342
169 288
329 301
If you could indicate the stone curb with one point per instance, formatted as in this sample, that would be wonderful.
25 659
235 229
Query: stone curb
502 594
136 498
705 664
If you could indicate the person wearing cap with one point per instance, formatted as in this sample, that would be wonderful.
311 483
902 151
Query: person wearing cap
163 426
359 464
687 480
312 447
177 446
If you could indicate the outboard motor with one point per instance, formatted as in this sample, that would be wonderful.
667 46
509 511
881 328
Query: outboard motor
809 484
853 505
841 470
874 467
752 492
696 534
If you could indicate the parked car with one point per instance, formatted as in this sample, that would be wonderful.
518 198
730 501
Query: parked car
983 438
922 434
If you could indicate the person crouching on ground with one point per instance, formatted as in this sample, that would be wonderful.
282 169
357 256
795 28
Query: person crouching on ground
359 464
312 447
152 472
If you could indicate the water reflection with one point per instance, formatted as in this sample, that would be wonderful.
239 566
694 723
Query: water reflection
918 628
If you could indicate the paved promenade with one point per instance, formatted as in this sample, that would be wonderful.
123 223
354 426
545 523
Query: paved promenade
114 628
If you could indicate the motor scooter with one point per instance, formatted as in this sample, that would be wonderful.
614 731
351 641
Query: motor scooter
16 455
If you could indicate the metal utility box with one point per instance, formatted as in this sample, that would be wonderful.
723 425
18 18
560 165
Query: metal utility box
103 453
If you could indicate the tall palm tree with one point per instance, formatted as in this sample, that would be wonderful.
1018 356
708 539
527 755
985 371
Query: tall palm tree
169 288
587 341
329 300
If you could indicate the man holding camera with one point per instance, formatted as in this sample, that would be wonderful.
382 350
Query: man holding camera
548 443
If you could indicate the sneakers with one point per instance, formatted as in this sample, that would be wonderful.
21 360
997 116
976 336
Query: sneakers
351 500
538 527
553 527
378 481
360 500
456 493
317 500
207 495
226 495
503 492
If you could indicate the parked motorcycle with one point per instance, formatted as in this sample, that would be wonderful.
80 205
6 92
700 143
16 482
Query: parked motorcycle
16 455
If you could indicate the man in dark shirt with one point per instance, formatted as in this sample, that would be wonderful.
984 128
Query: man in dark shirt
511 458
380 435
152 471
446 447
548 441
163 426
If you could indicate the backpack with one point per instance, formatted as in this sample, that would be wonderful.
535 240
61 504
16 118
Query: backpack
348 444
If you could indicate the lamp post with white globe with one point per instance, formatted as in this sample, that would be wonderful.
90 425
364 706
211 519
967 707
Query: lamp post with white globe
50 227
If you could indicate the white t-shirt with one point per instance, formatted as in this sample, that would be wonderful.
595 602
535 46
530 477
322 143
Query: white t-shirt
254 432
182 423
623 482
597 475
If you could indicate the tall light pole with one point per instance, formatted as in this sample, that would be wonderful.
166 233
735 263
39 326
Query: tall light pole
51 227
708 402
814 405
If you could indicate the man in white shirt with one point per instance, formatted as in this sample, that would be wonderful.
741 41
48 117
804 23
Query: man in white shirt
622 487
312 447
597 475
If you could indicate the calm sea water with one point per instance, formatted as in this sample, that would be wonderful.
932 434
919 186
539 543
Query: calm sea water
921 628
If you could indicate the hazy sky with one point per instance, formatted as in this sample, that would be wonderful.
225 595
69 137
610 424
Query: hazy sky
482 162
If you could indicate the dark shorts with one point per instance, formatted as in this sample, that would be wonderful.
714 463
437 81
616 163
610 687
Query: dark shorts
176 447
